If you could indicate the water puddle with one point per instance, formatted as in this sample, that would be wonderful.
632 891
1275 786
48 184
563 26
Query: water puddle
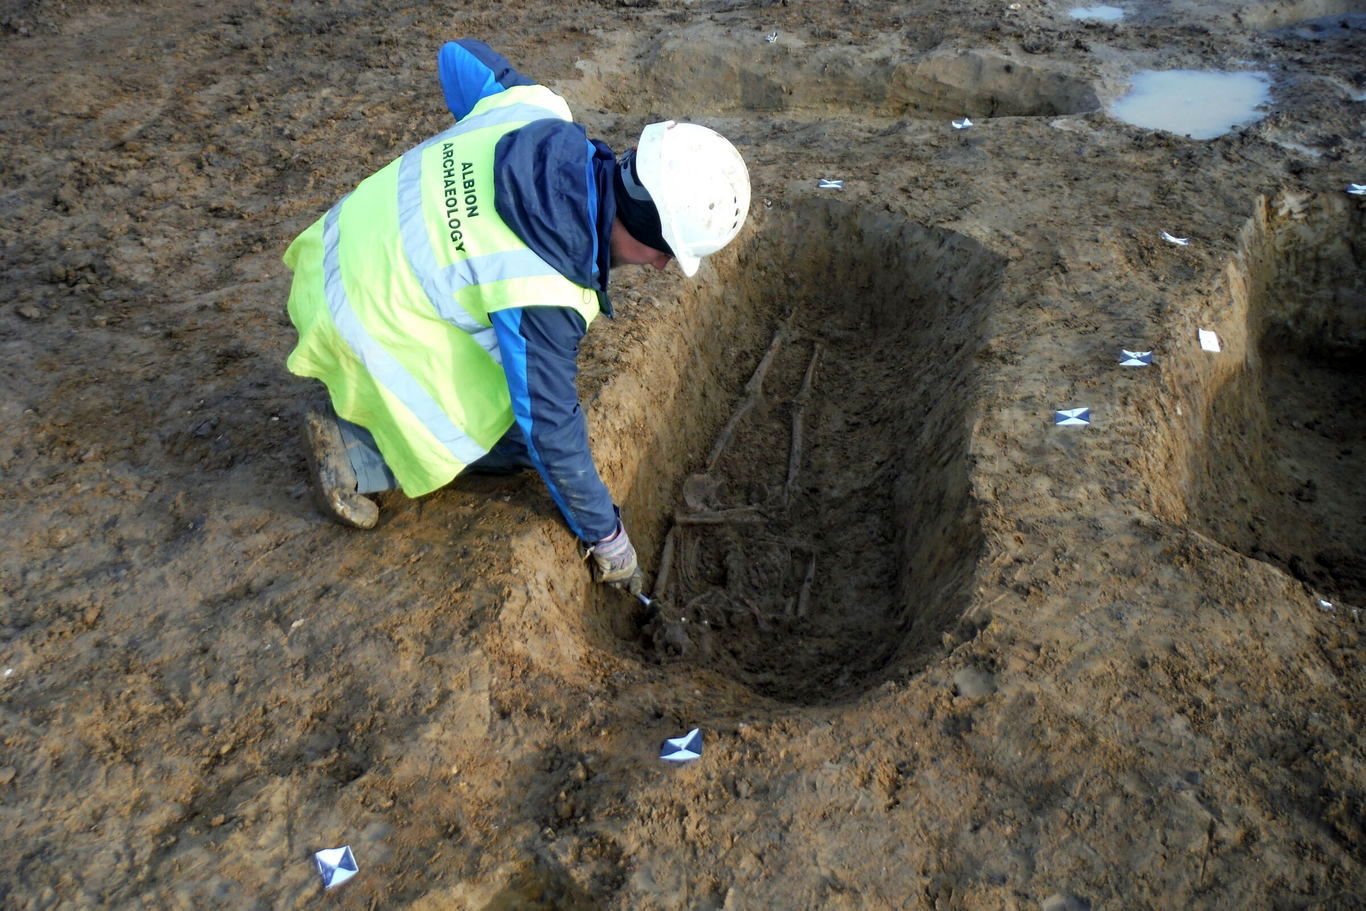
1193 103
1097 13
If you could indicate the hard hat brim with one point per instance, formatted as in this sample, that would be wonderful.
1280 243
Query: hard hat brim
650 169
688 264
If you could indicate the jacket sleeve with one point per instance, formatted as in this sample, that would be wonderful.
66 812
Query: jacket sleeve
470 70
540 350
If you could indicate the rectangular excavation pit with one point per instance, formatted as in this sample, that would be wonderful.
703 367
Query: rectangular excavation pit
1279 478
806 478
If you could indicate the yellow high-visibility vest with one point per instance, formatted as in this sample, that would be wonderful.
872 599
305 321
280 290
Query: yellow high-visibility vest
393 288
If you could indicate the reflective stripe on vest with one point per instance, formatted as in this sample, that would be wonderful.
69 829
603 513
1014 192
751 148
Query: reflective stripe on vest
388 371
441 284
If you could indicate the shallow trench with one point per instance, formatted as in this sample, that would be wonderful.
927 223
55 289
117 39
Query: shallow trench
809 473
697 71
1280 479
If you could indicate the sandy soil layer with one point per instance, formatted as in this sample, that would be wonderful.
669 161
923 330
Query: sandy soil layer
944 653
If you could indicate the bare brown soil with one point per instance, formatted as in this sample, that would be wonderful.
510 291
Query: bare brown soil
944 653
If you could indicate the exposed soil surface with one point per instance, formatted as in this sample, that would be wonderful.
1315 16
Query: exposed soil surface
944 652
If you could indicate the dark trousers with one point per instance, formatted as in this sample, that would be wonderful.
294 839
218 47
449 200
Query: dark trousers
372 474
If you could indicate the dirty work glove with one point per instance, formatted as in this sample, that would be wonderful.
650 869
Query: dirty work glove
615 559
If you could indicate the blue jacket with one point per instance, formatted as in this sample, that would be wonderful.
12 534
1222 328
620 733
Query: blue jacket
553 187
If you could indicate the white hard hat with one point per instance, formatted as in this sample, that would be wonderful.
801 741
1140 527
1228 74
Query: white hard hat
699 184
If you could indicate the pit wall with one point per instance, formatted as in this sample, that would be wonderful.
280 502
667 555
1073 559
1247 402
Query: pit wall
666 379
1298 273
1275 470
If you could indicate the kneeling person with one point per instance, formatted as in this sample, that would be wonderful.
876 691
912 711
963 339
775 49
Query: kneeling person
442 302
